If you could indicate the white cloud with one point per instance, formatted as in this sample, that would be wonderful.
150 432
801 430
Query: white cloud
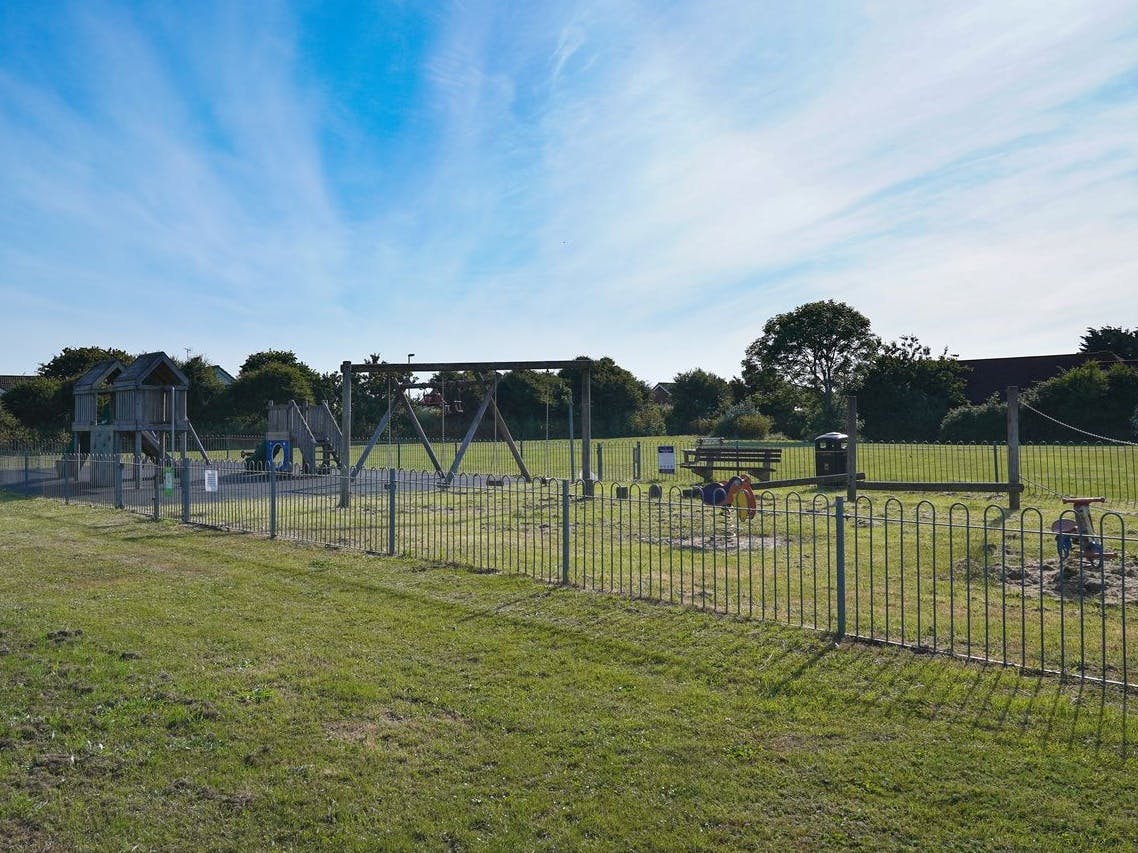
646 182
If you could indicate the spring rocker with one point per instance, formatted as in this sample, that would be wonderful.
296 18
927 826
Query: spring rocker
1077 536
735 493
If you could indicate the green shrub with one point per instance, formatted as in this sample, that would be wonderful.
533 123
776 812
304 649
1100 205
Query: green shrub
986 421
743 420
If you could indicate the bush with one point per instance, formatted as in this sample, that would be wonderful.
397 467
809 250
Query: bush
649 419
743 420
987 421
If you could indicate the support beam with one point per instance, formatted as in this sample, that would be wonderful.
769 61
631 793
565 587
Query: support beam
371 442
505 430
422 433
1013 448
471 366
346 435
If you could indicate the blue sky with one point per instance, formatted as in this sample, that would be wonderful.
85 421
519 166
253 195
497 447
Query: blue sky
646 180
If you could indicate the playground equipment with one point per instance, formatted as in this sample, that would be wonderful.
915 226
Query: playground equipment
487 372
305 427
735 493
436 399
140 409
1077 535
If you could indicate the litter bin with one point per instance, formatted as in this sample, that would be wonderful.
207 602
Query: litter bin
830 453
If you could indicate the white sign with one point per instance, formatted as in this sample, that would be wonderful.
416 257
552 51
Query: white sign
666 456
210 480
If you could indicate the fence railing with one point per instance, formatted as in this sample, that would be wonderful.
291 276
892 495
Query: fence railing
990 585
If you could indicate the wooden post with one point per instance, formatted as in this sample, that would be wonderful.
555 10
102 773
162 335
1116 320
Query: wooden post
851 449
1013 448
346 435
587 430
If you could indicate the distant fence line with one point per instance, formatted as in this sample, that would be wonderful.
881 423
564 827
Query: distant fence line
1046 470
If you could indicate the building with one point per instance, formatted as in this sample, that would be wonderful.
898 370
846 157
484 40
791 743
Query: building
988 376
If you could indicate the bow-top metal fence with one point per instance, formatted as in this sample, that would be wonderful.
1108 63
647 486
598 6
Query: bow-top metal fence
988 585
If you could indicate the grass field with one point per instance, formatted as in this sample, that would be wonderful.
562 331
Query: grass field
174 688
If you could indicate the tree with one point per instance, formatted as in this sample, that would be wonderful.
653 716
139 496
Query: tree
1121 342
987 421
793 410
41 404
617 396
1097 399
524 397
697 395
906 393
205 390
246 400
258 360
10 428
820 345
72 362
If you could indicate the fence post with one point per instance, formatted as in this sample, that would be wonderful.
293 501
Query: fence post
1013 447
66 479
119 502
272 495
565 531
157 492
840 560
600 461
185 490
391 512
27 477
996 462
636 461
851 448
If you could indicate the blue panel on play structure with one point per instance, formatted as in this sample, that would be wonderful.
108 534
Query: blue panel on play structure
278 454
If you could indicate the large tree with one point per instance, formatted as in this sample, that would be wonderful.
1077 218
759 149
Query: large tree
906 393
205 390
1115 339
697 396
40 404
617 396
821 345
245 402
71 362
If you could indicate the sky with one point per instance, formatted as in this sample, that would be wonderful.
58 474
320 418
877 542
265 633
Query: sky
650 181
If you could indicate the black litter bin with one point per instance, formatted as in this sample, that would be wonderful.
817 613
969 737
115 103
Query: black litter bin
830 454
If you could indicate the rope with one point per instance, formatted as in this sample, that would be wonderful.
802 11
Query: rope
1042 488
1076 429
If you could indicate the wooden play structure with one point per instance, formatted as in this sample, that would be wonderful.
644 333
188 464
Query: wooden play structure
486 374
308 428
138 409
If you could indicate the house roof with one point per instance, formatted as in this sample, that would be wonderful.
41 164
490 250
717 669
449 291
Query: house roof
8 380
993 375
223 375
152 369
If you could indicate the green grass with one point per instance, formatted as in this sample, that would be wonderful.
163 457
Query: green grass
174 688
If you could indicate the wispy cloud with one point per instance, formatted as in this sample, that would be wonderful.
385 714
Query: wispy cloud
642 180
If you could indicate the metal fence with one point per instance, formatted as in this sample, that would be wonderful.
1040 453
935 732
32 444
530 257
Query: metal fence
988 585
1047 470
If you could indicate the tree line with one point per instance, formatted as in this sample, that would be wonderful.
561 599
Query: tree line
792 384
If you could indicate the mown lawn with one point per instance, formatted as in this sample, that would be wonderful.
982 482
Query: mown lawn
171 688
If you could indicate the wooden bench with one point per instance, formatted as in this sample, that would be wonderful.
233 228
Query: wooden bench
706 459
